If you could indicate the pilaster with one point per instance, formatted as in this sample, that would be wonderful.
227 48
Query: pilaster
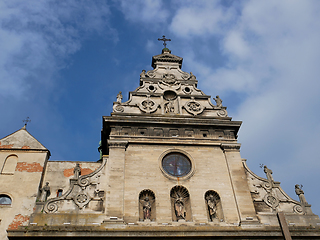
115 179
239 183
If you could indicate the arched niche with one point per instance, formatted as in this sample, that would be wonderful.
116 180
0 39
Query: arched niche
5 200
180 204
147 205
9 165
213 206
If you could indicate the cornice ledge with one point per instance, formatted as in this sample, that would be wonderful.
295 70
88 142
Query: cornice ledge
113 143
231 147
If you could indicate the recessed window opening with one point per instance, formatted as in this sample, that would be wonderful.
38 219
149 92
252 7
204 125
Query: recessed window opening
59 192
5 200
151 87
187 89
204 135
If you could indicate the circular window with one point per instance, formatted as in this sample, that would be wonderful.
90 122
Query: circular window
176 164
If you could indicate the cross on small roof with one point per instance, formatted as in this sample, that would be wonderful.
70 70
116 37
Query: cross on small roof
26 121
164 39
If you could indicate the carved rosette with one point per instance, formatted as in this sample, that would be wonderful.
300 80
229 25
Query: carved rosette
193 107
81 199
148 105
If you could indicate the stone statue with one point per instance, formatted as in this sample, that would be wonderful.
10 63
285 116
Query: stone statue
169 107
143 74
192 77
218 101
179 208
212 207
45 192
300 193
100 149
77 171
146 205
268 172
119 97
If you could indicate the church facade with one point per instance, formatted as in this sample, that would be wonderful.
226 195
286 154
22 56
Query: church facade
170 167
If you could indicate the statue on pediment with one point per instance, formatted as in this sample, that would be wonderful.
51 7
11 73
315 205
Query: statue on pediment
218 101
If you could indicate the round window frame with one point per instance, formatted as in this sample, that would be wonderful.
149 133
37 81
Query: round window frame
166 174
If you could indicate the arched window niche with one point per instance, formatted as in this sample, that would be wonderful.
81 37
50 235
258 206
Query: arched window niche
9 165
147 206
5 200
180 204
213 205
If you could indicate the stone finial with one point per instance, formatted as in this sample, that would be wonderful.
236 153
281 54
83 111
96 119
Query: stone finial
143 74
192 77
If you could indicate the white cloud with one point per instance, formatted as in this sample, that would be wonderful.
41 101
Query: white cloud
36 37
149 12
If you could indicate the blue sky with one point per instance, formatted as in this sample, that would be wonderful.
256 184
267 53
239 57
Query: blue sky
62 63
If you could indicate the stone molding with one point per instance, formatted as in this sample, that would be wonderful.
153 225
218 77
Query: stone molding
117 144
233 147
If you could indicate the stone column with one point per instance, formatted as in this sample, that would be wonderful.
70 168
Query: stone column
115 178
239 183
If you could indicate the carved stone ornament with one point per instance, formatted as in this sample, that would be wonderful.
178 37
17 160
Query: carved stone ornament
271 201
148 105
76 192
81 199
169 78
222 113
164 85
298 209
193 107
151 74
118 108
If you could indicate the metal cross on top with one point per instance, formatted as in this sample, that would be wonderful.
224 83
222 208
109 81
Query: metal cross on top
26 121
164 39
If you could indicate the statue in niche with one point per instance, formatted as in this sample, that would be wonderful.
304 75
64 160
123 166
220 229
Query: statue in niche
77 171
218 101
212 207
192 77
45 192
146 206
119 97
300 193
169 107
179 208
268 173
143 74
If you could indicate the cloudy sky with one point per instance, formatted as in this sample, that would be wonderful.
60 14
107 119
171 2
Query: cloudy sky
62 64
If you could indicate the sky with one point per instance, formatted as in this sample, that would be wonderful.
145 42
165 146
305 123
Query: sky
62 64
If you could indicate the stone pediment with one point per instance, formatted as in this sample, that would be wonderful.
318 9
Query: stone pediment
21 139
